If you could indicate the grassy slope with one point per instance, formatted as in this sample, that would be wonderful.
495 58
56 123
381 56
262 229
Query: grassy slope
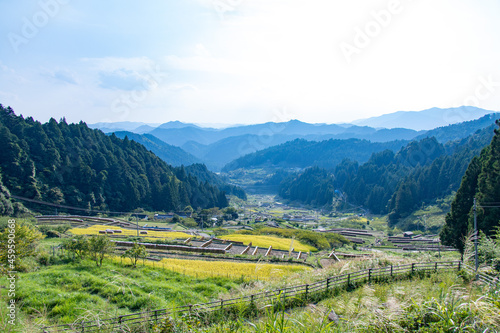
440 303
64 293
67 292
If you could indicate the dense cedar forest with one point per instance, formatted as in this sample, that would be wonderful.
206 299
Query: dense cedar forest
177 157
201 172
481 181
315 186
394 183
74 165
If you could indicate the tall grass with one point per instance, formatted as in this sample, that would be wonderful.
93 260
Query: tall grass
69 292
443 302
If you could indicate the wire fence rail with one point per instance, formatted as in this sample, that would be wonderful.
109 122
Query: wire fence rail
304 291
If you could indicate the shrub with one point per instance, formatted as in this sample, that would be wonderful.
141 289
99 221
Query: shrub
25 242
79 246
136 252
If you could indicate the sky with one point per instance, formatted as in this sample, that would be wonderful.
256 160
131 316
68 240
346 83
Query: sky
246 61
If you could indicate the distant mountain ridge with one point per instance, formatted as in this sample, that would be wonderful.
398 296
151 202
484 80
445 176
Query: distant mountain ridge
300 153
179 136
425 119
132 126
171 154
326 154
218 147
460 130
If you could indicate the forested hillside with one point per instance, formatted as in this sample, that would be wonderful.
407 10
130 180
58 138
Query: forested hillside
314 186
201 172
74 165
481 181
460 130
441 177
300 153
173 155
395 183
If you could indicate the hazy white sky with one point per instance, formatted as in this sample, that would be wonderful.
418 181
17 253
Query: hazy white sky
246 61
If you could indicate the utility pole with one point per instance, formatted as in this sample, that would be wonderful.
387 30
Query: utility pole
137 224
476 235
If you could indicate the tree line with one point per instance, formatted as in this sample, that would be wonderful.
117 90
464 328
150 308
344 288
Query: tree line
301 153
74 165
481 181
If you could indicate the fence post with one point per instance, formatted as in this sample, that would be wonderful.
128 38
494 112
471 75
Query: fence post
369 275
459 265
348 279
307 289
412 268
327 283
391 270
221 304
436 266
156 316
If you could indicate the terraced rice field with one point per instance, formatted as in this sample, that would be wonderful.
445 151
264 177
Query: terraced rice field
94 230
203 268
265 241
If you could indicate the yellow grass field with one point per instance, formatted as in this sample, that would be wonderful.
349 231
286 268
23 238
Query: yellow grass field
94 230
204 268
266 241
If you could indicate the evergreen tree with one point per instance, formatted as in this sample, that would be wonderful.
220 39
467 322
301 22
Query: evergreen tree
481 181
82 167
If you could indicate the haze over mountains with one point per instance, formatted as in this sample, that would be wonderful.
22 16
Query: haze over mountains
184 144
424 120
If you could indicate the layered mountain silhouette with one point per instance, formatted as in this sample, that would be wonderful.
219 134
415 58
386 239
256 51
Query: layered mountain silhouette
424 120
184 143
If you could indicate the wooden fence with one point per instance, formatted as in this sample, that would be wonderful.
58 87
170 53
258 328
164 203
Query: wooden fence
304 291
485 278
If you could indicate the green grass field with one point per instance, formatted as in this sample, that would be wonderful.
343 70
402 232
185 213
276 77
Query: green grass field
67 292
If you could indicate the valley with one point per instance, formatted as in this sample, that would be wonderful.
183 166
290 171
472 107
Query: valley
232 166
107 228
